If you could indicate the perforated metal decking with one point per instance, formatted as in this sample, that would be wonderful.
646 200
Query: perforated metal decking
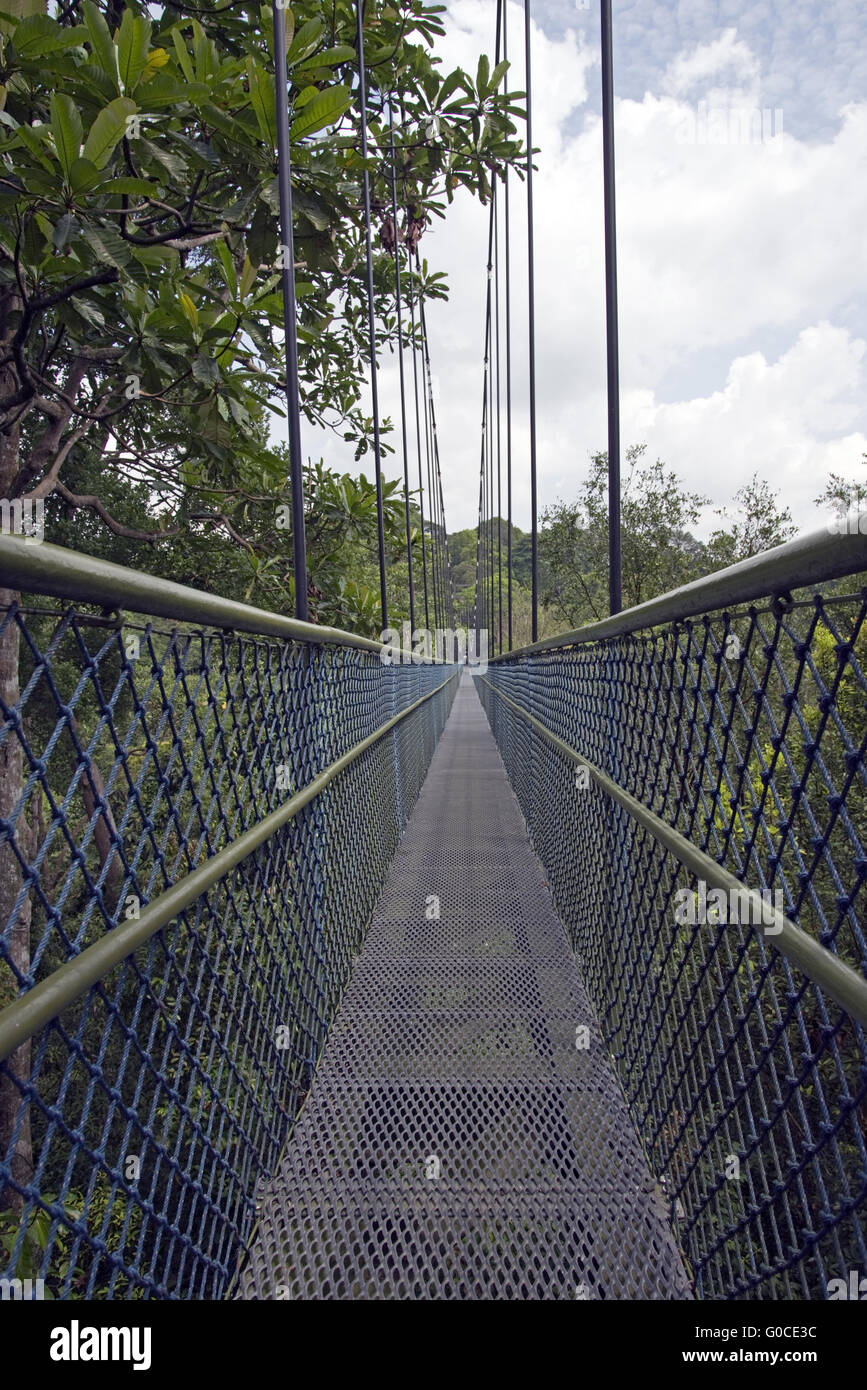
456 1142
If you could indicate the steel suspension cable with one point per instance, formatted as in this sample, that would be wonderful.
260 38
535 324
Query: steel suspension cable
481 578
480 620
418 445
397 296
484 478
428 451
615 585
489 588
290 316
508 297
439 501
371 321
491 478
531 344
435 498
499 432
488 436
486 533
486 575
478 604
448 589
440 565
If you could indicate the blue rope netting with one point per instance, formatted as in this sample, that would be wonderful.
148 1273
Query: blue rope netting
745 731
156 1105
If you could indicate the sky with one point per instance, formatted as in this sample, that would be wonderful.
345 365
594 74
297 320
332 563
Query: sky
741 151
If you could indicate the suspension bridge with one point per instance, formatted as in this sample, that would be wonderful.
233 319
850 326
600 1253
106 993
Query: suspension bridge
326 975
377 985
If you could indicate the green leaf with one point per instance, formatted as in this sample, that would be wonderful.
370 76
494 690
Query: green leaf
98 83
84 310
305 41
204 51
83 175
266 22
101 43
498 74
262 99
166 90
248 278
206 370
66 129
32 138
230 275
108 128
262 237
106 245
183 56
239 414
290 27
220 120
483 76
271 304
128 184
133 43
191 313
212 428
174 165
318 214
154 257
382 50
38 182
453 81
323 110
64 231
341 53
37 36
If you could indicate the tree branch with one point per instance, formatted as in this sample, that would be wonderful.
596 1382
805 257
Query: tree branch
93 503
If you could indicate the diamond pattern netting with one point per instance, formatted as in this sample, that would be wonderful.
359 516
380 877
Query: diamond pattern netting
745 731
135 1127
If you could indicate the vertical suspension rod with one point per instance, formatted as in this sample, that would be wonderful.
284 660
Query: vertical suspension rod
371 321
290 327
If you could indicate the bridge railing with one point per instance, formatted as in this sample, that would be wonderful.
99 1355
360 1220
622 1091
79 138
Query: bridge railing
667 760
199 801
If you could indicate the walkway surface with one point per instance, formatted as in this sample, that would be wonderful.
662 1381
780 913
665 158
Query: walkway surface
457 1141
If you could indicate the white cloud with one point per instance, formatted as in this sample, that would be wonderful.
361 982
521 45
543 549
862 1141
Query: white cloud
689 72
791 421
738 265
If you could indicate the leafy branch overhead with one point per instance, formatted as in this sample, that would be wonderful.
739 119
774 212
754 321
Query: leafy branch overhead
140 260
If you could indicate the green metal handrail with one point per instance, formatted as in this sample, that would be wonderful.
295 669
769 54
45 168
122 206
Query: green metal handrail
24 1018
820 965
41 568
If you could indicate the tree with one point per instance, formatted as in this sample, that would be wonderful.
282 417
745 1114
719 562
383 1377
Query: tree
758 524
658 551
139 264
841 495
140 319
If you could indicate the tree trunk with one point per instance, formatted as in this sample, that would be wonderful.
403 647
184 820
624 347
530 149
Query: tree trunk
14 923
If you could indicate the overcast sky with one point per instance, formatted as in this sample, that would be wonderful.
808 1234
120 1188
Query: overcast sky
742 252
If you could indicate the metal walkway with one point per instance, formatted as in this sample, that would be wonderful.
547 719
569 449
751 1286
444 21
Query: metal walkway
459 1141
